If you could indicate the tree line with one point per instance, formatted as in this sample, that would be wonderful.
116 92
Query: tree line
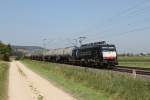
5 51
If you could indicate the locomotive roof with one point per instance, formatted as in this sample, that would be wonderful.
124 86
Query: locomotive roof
94 46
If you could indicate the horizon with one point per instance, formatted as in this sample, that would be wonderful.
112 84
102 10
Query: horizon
120 53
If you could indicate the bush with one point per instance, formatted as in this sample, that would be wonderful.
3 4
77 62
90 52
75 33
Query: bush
6 57
5 51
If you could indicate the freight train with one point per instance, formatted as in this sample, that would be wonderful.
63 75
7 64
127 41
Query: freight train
98 54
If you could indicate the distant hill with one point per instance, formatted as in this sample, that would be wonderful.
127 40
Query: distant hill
26 49
30 48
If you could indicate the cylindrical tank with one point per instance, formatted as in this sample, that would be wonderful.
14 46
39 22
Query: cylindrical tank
68 51
61 52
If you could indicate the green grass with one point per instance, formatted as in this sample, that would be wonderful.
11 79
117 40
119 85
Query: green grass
135 64
88 85
137 61
3 80
134 58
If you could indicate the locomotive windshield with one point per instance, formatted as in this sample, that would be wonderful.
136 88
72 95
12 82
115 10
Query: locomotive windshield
109 48
109 52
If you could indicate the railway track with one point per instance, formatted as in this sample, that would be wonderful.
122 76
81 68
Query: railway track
124 69
132 70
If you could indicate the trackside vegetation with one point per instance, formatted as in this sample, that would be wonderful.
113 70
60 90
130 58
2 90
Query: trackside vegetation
134 61
3 80
85 84
134 58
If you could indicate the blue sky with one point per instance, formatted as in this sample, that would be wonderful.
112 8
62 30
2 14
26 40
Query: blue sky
125 23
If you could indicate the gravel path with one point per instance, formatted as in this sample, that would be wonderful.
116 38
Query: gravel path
27 85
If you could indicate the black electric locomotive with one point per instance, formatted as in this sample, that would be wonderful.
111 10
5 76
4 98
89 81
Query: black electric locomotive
97 54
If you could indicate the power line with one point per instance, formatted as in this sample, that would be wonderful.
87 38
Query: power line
118 17
133 9
139 11
130 31
129 9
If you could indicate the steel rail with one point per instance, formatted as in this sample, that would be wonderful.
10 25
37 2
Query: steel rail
139 71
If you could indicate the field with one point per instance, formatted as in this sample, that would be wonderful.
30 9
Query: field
137 61
3 80
87 85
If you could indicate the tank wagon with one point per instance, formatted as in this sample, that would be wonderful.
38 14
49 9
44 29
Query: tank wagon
91 54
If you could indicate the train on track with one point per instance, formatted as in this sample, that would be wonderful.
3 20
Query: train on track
96 54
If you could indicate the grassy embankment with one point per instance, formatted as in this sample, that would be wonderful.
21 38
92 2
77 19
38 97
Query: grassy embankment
143 61
3 80
88 85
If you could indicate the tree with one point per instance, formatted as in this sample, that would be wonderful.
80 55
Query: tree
5 51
